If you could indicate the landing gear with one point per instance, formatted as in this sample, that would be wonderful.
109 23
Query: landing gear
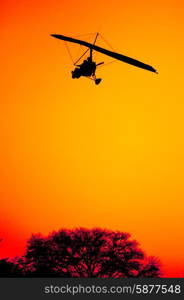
98 80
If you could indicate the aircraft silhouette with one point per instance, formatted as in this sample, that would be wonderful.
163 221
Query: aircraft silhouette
88 66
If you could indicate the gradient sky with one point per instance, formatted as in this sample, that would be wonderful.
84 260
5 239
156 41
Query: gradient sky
75 154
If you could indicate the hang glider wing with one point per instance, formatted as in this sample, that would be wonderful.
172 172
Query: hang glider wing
115 55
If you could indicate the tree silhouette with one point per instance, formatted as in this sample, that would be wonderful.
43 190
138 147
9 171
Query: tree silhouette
9 269
86 253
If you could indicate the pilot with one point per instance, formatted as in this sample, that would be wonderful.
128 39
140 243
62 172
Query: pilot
89 59
85 62
84 65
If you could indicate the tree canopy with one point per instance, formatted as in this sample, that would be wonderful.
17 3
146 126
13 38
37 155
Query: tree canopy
85 253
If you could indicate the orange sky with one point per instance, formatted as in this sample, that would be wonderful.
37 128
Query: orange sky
75 154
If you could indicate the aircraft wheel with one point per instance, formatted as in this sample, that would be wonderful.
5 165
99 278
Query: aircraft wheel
98 80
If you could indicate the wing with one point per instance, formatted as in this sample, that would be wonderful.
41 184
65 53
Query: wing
112 54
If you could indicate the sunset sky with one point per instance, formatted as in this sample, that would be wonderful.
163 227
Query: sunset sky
76 154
